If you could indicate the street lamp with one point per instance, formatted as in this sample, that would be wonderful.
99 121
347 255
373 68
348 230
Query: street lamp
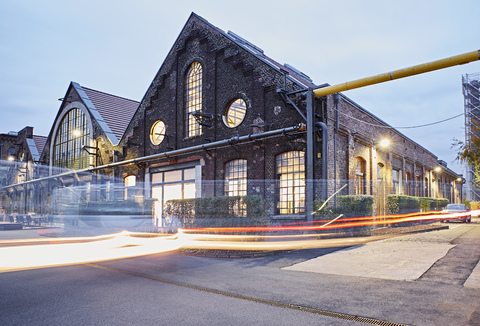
438 169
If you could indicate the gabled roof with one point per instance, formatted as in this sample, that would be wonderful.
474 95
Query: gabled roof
293 74
112 113
39 143
116 111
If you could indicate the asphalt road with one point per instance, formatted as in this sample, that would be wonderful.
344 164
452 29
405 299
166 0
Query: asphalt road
173 289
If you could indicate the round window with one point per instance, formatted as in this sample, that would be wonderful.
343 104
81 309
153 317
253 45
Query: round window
235 113
157 133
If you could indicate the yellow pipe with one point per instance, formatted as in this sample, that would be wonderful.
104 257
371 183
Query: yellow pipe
401 73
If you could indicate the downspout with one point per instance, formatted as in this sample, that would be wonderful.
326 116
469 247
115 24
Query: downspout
324 157
336 99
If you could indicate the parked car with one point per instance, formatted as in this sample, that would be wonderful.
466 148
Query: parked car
458 209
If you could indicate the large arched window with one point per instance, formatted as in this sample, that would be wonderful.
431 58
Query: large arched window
193 99
72 135
290 168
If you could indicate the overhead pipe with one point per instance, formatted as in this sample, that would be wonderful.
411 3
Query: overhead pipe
401 73
231 141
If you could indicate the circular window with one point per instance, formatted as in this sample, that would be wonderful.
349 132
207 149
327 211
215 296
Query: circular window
157 133
235 113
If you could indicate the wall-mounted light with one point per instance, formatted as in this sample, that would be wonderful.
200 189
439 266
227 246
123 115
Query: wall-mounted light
438 169
11 158
76 133
384 143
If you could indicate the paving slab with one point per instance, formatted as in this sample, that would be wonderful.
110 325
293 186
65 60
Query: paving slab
385 260
404 258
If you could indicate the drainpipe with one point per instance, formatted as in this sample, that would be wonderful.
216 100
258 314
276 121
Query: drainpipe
310 157
323 126
336 99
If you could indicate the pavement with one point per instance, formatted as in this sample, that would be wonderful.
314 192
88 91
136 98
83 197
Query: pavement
403 258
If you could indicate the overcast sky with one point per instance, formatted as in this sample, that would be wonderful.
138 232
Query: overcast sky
118 46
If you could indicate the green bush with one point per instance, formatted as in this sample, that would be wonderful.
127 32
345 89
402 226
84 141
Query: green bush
401 204
222 211
349 206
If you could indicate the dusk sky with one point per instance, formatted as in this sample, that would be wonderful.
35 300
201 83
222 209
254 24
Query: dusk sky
118 46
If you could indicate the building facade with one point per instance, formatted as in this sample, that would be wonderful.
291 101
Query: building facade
221 118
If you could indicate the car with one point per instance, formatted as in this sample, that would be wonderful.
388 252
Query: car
458 209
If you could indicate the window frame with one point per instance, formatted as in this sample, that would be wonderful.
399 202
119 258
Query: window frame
236 119
360 171
291 183
193 99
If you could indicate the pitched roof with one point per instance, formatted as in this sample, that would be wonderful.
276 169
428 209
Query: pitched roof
116 111
39 142
292 73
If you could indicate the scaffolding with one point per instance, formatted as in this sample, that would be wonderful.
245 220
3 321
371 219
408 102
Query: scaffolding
471 95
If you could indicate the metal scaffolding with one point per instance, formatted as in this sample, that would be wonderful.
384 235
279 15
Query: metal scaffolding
471 95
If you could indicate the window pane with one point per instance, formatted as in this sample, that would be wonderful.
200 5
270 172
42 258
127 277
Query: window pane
173 176
235 113
189 174
291 187
193 98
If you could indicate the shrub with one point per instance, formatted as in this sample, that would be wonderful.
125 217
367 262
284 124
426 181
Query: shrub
219 211
401 204
349 206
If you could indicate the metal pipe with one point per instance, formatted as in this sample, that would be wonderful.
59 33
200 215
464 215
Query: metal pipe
336 99
230 141
324 157
401 73
310 156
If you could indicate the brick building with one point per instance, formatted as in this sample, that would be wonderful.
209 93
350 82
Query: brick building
221 118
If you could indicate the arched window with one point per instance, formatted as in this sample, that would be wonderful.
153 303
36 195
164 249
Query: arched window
73 133
360 176
193 99
130 183
290 170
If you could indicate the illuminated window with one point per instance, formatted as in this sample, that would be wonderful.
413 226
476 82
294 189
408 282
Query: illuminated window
360 176
290 168
157 132
235 113
236 178
193 99
73 133
130 182
236 182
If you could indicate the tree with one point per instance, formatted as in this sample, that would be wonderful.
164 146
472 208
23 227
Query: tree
469 151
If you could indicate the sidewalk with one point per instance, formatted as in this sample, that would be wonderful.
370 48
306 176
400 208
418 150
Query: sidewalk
404 258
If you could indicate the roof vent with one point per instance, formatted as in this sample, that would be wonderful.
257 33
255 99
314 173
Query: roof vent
244 42
298 72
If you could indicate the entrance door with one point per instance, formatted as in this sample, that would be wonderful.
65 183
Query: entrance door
169 185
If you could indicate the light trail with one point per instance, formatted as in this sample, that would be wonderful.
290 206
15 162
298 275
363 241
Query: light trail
17 255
